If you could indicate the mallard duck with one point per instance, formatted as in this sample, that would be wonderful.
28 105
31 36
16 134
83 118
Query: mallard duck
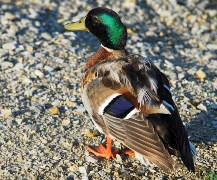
129 98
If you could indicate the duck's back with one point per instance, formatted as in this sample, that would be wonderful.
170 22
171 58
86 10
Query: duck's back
129 99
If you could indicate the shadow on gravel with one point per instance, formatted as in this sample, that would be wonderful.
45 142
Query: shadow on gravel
201 128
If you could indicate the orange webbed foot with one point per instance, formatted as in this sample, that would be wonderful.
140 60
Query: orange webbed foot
101 151
129 152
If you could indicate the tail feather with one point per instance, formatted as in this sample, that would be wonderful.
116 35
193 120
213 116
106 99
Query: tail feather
193 150
143 160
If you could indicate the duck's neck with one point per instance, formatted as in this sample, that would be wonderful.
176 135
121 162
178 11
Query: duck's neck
102 54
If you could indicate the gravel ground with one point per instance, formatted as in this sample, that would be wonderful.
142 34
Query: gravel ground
43 125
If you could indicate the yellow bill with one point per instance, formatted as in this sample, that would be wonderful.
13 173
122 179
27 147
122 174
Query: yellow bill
75 26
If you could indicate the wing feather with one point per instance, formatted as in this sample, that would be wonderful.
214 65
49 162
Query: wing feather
140 136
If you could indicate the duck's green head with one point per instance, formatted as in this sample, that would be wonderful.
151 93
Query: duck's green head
106 25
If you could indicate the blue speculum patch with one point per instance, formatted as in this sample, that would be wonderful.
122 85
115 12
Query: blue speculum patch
119 107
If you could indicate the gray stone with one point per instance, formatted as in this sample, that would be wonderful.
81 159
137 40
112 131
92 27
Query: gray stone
213 106
202 107
90 159
9 46
83 169
6 65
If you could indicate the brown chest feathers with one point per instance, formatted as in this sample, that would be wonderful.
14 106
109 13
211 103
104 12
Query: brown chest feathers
102 54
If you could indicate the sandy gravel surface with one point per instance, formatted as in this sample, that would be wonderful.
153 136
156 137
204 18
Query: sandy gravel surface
44 127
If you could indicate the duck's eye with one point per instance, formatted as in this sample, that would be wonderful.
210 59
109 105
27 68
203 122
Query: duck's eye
95 19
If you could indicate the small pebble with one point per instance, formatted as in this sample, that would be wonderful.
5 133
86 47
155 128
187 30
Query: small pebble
213 106
9 46
39 73
55 111
46 36
65 122
6 65
116 174
18 66
200 75
202 107
6 113
48 68
91 133
70 103
73 168
29 48
80 109
211 46
82 169
84 177
26 81
9 16
118 158
181 75
90 159
168 64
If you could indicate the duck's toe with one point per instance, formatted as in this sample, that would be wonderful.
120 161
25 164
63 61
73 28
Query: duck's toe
101 151
129 152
